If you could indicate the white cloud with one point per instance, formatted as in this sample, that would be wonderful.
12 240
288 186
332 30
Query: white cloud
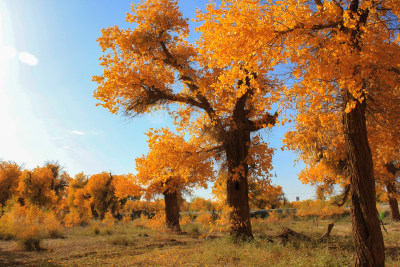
77 132
28 58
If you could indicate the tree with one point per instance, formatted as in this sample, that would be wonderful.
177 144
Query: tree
9 179
387 161
60 180
78 201
100 191
318 137
35 187
200 203
153 66
343 52
266 197
80 180
173 165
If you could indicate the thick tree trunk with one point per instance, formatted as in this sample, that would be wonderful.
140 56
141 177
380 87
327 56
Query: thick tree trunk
393 204
237 185
172 210
364 215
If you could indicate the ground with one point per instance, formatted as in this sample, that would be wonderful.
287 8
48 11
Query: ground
134 244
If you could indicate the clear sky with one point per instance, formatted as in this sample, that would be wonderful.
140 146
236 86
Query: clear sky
48 54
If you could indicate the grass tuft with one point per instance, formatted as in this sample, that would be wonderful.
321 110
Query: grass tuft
123 241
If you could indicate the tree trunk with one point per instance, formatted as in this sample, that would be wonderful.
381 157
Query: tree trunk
172 210
237 185
393 204
364 215
95 214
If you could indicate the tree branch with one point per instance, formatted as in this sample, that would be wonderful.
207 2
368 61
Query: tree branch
202 102
268 119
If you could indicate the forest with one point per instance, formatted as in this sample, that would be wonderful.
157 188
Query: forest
328 70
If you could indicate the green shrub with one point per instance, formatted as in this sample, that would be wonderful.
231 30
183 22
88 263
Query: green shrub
384 214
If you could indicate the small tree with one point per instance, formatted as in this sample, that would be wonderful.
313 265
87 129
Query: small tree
172 166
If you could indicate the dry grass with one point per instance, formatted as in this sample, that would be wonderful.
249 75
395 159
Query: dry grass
134 244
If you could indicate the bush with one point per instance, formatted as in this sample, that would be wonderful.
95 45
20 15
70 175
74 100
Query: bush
317 208
74 218
185 219
29 224
158 222
192 228
108 231
205 219
30 239
273 217
384 214
109 220
95 227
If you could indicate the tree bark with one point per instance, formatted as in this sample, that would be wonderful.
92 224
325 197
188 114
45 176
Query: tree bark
367 233
172 210
236 149
393 204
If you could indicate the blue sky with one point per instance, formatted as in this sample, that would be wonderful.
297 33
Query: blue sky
48 54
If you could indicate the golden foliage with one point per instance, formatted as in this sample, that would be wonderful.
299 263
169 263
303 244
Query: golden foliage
25 222
9 179
317 208
172 164
35 187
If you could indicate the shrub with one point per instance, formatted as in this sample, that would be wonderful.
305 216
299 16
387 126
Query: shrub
193 228
384 214
126 219
28 224
74 218
273 217
53 226
141 222
95 227
185 219
158 222
108 231
317 208
30 238
109 220
205 219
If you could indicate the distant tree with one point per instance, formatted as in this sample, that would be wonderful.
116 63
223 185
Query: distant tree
266 197
9 179
78 201
60 180
100 192
200 203
35 187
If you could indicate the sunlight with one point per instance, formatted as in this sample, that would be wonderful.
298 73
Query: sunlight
11 148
